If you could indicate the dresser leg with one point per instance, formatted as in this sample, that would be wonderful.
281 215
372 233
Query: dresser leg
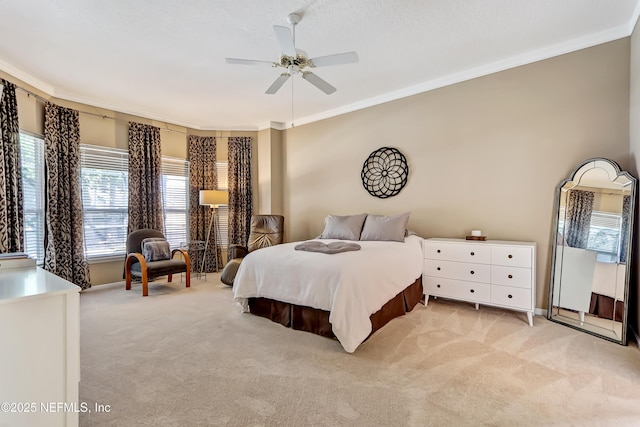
530 317
477 306
426 299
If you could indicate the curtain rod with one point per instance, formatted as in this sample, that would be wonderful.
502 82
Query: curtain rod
103 116
41 99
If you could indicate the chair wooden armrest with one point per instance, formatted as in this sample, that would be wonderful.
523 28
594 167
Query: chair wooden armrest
187 259
143 269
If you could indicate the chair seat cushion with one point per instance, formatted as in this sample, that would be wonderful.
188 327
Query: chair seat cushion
160 268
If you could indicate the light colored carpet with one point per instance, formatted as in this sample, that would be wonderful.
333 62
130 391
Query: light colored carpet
183 357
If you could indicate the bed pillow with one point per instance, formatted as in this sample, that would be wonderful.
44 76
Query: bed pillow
155 249
385 228
347 227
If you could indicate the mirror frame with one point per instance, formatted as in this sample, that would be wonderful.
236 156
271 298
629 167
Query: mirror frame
578 172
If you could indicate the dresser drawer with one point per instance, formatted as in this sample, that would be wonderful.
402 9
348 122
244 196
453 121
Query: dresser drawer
455 252
511 297
511 276
513 256
458 270
458 289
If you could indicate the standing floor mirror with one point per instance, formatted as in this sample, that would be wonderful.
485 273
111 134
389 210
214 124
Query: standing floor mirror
593 228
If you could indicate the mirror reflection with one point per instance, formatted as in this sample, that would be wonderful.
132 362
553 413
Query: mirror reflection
593 226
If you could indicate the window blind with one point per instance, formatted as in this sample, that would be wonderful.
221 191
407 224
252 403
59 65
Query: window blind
175 199
32 169
604 233
222 173
105 199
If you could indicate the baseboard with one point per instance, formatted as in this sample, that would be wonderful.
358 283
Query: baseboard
540 312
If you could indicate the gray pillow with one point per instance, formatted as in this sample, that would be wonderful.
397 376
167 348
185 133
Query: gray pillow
386 228
155 249
346 227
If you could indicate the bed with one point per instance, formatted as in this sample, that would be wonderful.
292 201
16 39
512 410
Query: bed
345 295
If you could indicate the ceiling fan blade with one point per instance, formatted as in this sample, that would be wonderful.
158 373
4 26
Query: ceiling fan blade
336 59
247 61
278 83
285 40
318 82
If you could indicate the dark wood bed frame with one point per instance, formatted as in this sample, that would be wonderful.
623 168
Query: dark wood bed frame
317 321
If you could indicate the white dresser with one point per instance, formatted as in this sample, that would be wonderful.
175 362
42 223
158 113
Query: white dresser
492 272
39 347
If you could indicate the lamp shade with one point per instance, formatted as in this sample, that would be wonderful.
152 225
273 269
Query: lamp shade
213 197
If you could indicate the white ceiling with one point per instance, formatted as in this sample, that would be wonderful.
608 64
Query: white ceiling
164 59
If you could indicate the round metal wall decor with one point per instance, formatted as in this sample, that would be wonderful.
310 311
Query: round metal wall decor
385 172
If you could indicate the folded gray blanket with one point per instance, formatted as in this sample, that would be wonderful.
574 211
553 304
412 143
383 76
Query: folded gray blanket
327 248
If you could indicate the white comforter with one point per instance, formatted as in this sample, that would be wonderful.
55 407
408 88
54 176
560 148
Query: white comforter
350 285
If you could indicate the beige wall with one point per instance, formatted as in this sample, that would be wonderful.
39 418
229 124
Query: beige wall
110 129
483 154
269 172
634 168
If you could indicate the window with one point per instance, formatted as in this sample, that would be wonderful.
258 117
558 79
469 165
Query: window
604 234
222 172
104 180
105 200
32 169
175 200
105 194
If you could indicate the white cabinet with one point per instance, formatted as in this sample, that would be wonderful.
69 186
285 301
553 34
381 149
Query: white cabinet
39 348
492 272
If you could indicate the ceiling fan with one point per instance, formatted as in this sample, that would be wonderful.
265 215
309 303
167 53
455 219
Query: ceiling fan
296 61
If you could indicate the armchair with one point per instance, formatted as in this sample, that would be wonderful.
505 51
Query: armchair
265 230
149 265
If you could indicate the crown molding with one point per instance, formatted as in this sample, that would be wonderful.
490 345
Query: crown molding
472 73
634 19
26 77
480 71
124 109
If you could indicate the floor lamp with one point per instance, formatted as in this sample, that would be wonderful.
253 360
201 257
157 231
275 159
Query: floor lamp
213 199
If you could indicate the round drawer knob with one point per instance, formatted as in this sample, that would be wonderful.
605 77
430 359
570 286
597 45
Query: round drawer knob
511 276
437 286
472 291
510 296
438 251
473 253
438 268
510 256
473 272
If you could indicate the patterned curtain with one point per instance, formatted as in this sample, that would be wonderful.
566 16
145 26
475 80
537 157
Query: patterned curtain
624 229
579 208
64 239
11 208
202 176
240 195
145 198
